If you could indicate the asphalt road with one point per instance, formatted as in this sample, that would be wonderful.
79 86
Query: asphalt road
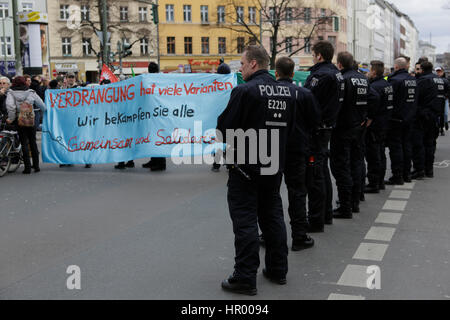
137 234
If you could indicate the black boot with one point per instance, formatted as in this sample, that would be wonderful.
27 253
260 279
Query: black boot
407 177
302 243
355 207
235 285
120 165
130 164
395 180
418 175
371 188
342 213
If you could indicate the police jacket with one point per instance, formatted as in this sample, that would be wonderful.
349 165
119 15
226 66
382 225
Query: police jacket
327 85
405 96
354 110
431 91
307 119
260 103
386 94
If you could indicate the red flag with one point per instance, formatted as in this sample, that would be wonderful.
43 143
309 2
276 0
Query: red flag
107 74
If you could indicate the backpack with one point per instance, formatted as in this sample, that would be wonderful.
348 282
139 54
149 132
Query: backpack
26 113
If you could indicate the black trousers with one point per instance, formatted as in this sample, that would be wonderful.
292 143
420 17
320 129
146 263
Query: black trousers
424 134
399 143
375 155
253 202
27 136
320 190
295 179
346 165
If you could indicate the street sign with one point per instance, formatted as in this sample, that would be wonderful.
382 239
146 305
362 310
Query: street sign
100 36
54 73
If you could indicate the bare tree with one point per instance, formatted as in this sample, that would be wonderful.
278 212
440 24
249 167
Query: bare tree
290 23
122 24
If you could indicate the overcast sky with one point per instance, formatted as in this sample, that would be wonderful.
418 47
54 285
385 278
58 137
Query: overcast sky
429 16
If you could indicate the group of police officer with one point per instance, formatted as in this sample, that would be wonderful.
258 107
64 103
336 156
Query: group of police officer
340 116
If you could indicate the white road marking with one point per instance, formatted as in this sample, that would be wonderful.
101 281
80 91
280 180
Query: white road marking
388 217
380 233
354 276
395 205
408 185
400 194
338 296
370 251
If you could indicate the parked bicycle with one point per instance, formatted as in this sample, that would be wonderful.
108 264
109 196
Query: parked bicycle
10 150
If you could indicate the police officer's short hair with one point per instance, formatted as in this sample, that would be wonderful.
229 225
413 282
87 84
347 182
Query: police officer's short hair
259 54
378 67
426 66
408 59
325 48
345 58
153 67
422 59
285 67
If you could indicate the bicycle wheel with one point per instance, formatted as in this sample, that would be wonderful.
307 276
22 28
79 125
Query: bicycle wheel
5 160
16 161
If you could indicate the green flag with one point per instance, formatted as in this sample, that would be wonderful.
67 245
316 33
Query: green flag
132 71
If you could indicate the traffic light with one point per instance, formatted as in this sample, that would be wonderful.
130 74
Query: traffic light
155 16
126 50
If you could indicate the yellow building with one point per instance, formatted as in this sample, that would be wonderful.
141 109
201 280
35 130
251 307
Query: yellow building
195 34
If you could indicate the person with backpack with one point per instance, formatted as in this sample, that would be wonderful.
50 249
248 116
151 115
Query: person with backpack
19 104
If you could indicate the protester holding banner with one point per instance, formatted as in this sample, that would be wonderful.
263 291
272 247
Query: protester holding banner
155 164
19 102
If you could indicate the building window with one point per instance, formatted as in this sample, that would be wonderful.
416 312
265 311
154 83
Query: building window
187 45
336 24
240 14
272 14
222 45
27 6
8 46
240 44
85 12
252 15
289 45
169 13
322 12
307 45
221 14
123 13
142 14
4 12
87 48
204 14
66 46
64 12
170 45
205 45
187 13
307 15
289 16
144 46
332 39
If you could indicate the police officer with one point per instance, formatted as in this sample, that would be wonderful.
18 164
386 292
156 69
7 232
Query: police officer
307 119
327 85
376 132
259 106
399 132
345 145
431 101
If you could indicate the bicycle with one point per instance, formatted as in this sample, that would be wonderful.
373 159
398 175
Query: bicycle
10 151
